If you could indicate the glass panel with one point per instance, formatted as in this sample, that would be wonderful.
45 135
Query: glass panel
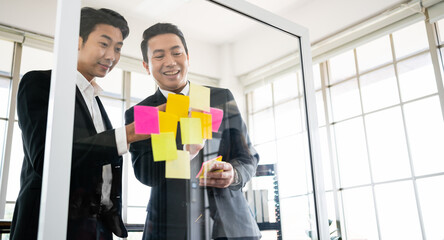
285 87
374 53
410 40
379 89
342 66
114 109
3 125
345 100
431 196
397 211
138 193
262 97
9 211
263 123
333 221
326 165
288 119
320 108
352 153
112 82
425 130
35 59
295 220
136 215
15 165
5 84
359 214
142 85
317 76
416 77
7 50
267 153
387 145
134 236
441 30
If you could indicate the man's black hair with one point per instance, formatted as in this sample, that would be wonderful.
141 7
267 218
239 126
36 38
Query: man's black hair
90 17
157 29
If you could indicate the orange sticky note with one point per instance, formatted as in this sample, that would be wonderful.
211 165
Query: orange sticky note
206 124
199 97
178 105
168 122
206 166
191 131
180 167
164 146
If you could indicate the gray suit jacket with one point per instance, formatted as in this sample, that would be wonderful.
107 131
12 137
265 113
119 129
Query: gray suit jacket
175 205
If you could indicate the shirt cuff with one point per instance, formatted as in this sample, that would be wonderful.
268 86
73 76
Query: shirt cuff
122 147
237 179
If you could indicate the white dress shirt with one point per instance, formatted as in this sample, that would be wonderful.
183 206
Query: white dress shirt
90 90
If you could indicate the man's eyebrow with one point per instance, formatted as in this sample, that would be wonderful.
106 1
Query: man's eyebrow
158 51
110 39
175 47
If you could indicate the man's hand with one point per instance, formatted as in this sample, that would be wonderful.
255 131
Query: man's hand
218 179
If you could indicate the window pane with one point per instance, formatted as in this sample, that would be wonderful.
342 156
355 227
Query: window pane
267 153
425 131
331 215
387 145
2 137
263 123
114 109
286 87
317 76
342 66
345 100
441 30
295 218
410 40
292 166
326 165
352 153
4 96
138 193
136 215
320 108
288 118
7 50
431 196
397 211
416 77
9 211
112 82
35 59
374 53
379 89
262 97
15 165
142 85
359 214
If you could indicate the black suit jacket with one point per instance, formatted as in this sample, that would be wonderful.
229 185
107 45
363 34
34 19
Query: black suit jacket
90 152
175 204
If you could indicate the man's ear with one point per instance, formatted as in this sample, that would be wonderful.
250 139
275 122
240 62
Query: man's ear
80 43
147 68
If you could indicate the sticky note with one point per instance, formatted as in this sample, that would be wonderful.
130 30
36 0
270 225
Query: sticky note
178 105
216 117
199 97
146 119
168 122
191 131
206 166
180 167
205 121
164 146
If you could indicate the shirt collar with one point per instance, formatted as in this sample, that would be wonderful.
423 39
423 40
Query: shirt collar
185 91
85 86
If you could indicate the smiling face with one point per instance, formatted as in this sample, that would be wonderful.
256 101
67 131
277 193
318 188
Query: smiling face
101 51
167 62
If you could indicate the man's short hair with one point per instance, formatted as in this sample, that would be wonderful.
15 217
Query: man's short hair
90 17
157 29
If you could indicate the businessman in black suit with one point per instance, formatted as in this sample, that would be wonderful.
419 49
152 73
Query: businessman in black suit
95 188
176 209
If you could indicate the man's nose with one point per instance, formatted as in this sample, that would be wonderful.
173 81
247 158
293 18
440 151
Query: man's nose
110 54
170 61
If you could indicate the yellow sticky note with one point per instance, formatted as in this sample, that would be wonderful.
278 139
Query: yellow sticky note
178 105
199 97
191 131
206 124
168 122
180 167
164 146
206 166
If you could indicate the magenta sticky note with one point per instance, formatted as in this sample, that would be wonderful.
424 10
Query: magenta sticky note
216 115
146 120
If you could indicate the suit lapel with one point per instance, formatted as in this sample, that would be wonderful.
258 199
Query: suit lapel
85 112
105 118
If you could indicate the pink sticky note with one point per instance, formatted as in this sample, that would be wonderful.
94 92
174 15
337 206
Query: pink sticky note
146 120
217 115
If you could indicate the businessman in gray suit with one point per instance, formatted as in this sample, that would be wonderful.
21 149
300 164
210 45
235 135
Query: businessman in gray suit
177 208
